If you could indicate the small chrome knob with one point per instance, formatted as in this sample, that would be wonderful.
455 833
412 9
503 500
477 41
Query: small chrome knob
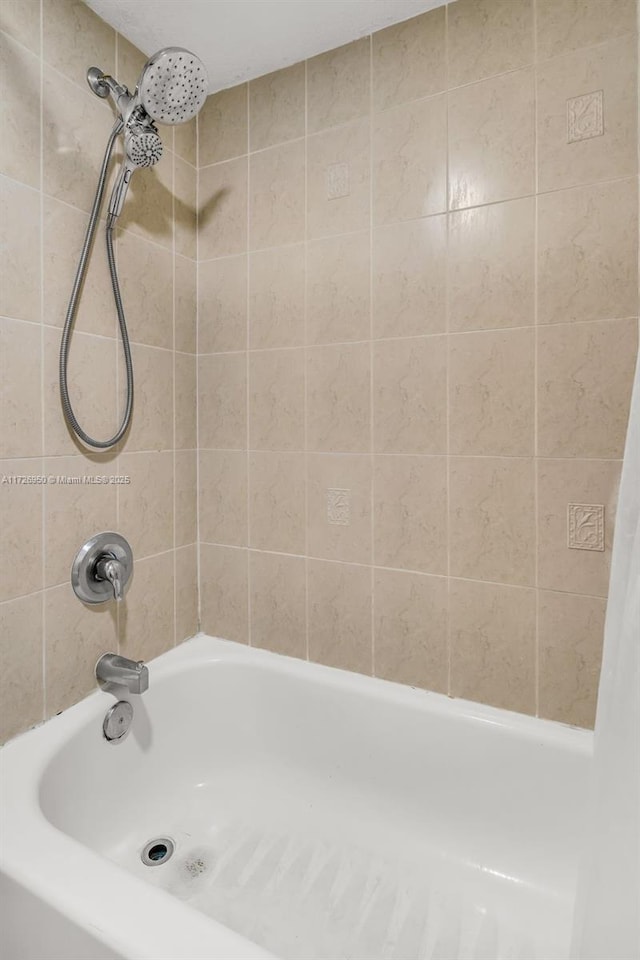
102 568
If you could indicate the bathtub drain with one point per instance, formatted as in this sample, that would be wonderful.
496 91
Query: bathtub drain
157 851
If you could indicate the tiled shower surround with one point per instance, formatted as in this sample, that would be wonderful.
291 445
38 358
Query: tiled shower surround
416 298
416 340
54 132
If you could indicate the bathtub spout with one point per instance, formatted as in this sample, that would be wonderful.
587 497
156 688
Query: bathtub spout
133 675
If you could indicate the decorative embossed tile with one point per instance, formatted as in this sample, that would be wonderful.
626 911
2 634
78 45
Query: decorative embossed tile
339 506
585 117
585 526
337 181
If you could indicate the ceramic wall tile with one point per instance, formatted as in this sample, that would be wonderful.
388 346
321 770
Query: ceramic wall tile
222 126
186 592
570 631
276 399
588 253
276 501
338 180
222 209
278 603
410 513
492 519
409 59
276 201
277 107
21 392
339 507
493 644
338 289
587 115
491 140
222 482
410 629
585 374
329 76
491 393
485 37
145 504
585 482
222 305
409 395
20 82
276 297
21 653
409 161
339 611
21 20
409 278
564 25
222 401
492 266
74 37
338 398
20 245
21 523
224 597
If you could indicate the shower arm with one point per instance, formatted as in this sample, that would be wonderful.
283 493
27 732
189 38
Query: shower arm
105 86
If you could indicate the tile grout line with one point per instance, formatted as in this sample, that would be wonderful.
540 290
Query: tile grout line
529 587
120 445
247 355
536 497
332 343
175 375
448 359
454 211
305 322
331 453
43 609
372 487
197 332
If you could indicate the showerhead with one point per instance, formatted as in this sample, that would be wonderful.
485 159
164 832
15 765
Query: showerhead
172 86
171 89
143 146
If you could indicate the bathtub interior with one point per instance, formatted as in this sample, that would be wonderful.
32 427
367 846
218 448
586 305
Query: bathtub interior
321 823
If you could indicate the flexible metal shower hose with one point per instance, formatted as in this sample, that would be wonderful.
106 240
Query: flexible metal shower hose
73 306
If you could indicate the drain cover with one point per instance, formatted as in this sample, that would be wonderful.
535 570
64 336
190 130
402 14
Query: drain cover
157 851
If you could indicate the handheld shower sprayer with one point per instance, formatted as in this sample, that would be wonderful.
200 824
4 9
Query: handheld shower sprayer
143 148
171 89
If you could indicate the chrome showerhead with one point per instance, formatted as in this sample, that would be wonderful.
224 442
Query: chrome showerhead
172 86
171 89
143 146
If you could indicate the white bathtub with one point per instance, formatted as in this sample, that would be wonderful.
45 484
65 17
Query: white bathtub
315 813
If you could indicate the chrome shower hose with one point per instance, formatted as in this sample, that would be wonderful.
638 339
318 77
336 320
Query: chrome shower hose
94 216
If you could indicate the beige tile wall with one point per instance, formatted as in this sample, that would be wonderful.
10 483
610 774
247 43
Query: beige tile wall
54 132
448 343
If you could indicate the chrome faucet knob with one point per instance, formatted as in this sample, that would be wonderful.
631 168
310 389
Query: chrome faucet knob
102 568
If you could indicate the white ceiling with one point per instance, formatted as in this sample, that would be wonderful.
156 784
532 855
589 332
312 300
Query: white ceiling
242 39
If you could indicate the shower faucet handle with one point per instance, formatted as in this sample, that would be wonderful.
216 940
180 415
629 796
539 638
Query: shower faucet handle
109 568
102 568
